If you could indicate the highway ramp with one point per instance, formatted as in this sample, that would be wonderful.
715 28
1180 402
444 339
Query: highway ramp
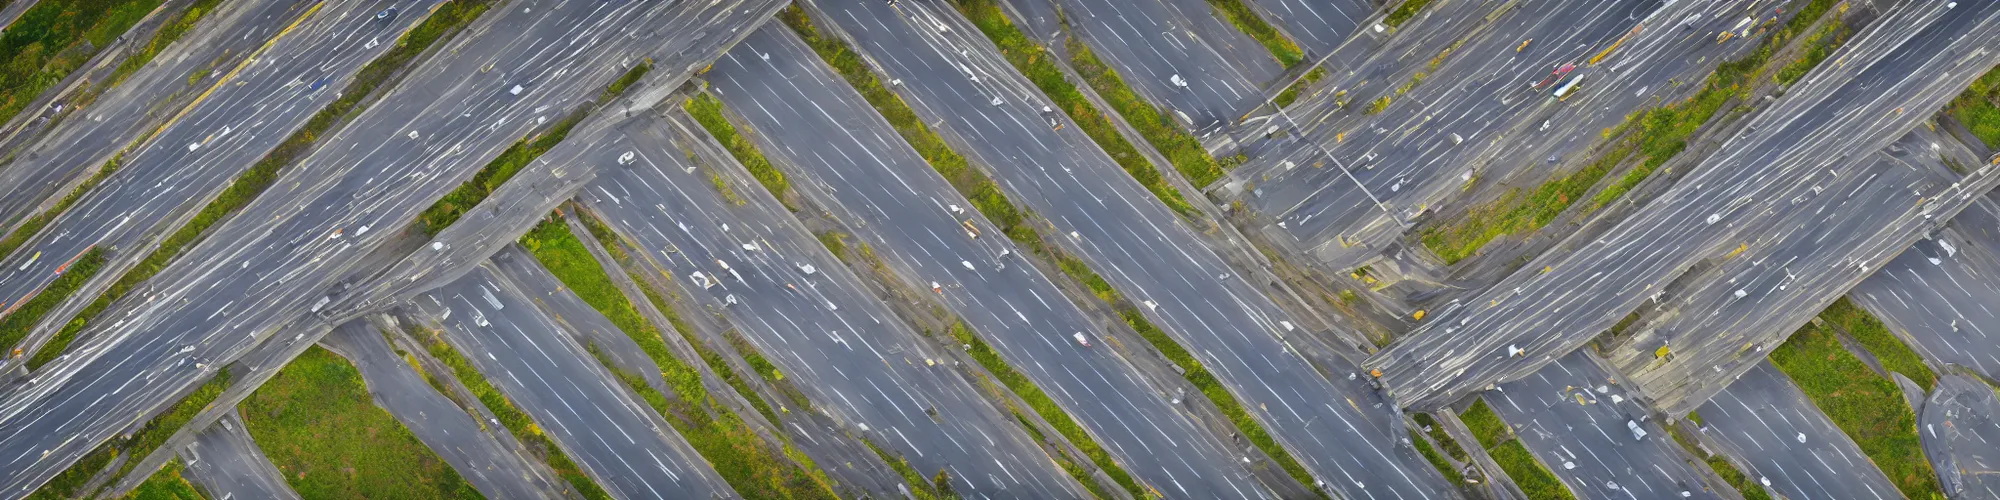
226 463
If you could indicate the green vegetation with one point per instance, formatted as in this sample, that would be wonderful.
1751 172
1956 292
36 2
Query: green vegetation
1437 460
708 111
1534 479
167 484
52 39
1283 49
1291 93
1485 425
1888 349
1815 48
1721 466
919 487
445 20
34 224
523 153
1047 408
1033 61
166 36
1979 108
15 325
319 425
986 195
69 483
752 467
1655 135
1404 12
1868 407
511 417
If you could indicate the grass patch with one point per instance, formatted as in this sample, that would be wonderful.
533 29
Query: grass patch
1035 63
1978 108
921 488
453 205
166 36
1894 355
444 21
1404 12
1283 49
1869 408
1291 93
1816 47
1047 408
1484 424
1436 459
69 483
988 199
707 110
34 224
52 39
321 428
1730 474
752 467
1654 135
16 325
167 484
1534 479
511 417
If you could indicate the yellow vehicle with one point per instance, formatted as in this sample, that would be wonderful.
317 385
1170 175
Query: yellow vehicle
1524 44
1419 315
971 231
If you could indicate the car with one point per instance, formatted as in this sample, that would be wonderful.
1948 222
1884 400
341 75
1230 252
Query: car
1051 115
1080 339
385 14
1638 433
971 231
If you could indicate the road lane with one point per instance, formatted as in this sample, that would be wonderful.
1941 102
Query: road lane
1784 443
1576 418
225 462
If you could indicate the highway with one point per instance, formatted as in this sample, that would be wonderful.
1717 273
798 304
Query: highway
857 361
1797 260
1318 26
44 170
167 180
1332 422
1474 116
1151 42
309 229
1915 58
1960 426
1575 417
849 160
226 463
1943 303
539 364
487 457
1783 442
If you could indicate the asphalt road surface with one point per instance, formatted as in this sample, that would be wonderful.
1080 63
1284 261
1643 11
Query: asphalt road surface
226 463
615 437
853 358
87 138
253 273
1960 428
1943 303
166 181
1915 58
1318 26
1168 54
486 456
1575 417
1797 260
1335 425
847 158
1784 443
1345 183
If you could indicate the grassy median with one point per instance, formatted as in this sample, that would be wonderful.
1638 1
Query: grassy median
1513 457
1888 349
320 427
1052 413
17 324
707 110
165 37
1979 108
1868 407
70 482
511 417
1655 136
1405 12
167 484
1283 49
1721 466
753 467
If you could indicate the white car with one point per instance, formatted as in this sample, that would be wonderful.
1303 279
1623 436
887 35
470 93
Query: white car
1638 433
1080 339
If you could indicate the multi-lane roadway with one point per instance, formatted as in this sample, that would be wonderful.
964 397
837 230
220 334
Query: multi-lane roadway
1960 426
1785 444
1942 296
1176 56
225 462
1584 424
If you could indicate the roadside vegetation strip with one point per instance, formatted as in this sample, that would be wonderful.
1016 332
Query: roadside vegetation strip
1033 61
1291 93
1866 406
14 327
167 484
1888 349
1282 48
920 487
1529 474
1656 135
1978 108
988 199
1484 424
707 110
1040 402
752 467
53 39
453 205
34 224
1437 460
511 417
166 36
320 427
446 20
69 483
1447 447
1404 12
1182 149
1721 466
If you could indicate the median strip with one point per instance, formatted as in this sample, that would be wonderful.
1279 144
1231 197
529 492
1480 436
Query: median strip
1721 466
510 416
745 461
1282 48
22 317
987 198
1865 405
1529 474
70 483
